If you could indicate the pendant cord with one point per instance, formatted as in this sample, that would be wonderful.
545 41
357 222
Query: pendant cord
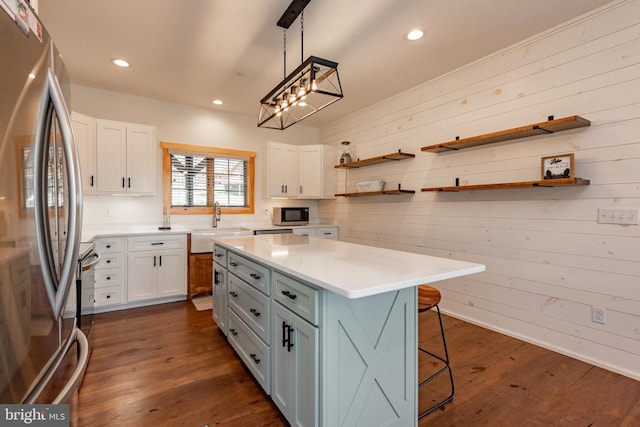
284 47
302 36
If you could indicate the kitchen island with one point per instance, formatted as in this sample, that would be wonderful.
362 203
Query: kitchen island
328 328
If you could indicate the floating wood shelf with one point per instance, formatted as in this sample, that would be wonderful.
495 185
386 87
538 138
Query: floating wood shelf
546 183
393 157
376 193
547 127
396 192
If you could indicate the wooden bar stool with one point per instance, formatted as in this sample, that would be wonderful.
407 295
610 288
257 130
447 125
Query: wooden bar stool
429 298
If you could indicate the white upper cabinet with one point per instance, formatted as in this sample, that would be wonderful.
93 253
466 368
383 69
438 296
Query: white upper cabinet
317 174
125 158
281 170
303 172
84 129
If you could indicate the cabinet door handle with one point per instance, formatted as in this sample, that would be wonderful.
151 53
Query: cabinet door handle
233 294
301 189
233 264
215 277
129 182
123 182
290 343
254 357
233 332
282 188
284 334
92 180
218 255
254 312
255 276
289 295
160 260
157 243
154 260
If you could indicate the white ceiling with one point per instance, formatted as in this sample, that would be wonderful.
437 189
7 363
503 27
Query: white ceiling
192 51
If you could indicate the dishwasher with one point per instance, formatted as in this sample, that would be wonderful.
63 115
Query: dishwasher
274 231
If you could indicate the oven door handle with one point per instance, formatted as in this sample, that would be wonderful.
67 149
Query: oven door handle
96 259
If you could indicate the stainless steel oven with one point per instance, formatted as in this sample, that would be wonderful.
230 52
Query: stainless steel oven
85 289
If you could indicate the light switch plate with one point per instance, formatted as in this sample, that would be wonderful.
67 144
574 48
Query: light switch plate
618 216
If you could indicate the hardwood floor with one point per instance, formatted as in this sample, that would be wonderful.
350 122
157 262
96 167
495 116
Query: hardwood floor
168 365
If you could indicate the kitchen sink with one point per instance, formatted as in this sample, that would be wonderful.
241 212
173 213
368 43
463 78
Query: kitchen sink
202 239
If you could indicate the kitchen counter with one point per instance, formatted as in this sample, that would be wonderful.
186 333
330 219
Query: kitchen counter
90 232
348 269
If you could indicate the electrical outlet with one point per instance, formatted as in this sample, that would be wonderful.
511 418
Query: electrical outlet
598 315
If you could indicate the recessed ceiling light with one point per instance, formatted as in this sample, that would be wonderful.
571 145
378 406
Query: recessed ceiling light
415 35
217 102
120 62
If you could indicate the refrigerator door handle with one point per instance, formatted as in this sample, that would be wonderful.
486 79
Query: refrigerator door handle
78 374
74 380
53 101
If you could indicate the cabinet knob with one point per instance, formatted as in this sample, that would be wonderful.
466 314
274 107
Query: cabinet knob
233 264
108 246
233 294
255 276
254 312
254 357
108 277
233 332
108 261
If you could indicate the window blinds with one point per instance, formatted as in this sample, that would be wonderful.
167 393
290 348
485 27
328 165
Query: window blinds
198 180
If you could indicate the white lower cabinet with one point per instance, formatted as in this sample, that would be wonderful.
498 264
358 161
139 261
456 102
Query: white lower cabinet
294 367
110 275
157 267
321 232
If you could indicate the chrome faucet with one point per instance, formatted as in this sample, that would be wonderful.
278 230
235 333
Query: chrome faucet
217 213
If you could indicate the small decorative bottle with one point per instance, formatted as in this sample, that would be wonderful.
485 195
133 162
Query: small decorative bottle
346 157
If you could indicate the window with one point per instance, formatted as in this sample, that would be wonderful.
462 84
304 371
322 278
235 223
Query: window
195 177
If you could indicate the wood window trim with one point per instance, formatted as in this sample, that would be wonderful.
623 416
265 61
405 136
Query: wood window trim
166 178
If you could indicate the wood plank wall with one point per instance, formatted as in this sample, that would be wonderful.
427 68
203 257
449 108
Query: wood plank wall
548 259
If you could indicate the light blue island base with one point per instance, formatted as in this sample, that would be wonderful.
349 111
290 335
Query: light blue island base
370 369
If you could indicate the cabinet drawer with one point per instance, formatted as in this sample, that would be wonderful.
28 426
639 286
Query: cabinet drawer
110 260
251 306
251 349
109 296
254 274
328 233
297 297
109 277
220 255
109 245
146 243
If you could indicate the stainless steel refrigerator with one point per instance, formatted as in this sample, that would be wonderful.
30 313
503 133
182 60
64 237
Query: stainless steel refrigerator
42 353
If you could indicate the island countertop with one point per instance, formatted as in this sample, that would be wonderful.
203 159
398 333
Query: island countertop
348 269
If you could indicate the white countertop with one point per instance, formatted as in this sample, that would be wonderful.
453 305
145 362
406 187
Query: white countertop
348 269
90 232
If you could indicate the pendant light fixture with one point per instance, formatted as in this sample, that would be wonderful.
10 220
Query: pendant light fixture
312 86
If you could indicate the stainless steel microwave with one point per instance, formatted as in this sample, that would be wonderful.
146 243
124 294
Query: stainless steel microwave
290 216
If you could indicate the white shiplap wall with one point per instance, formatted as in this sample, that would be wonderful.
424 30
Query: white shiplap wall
548 260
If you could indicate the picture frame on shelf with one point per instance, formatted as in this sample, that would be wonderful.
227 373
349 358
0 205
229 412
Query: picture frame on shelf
560 166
